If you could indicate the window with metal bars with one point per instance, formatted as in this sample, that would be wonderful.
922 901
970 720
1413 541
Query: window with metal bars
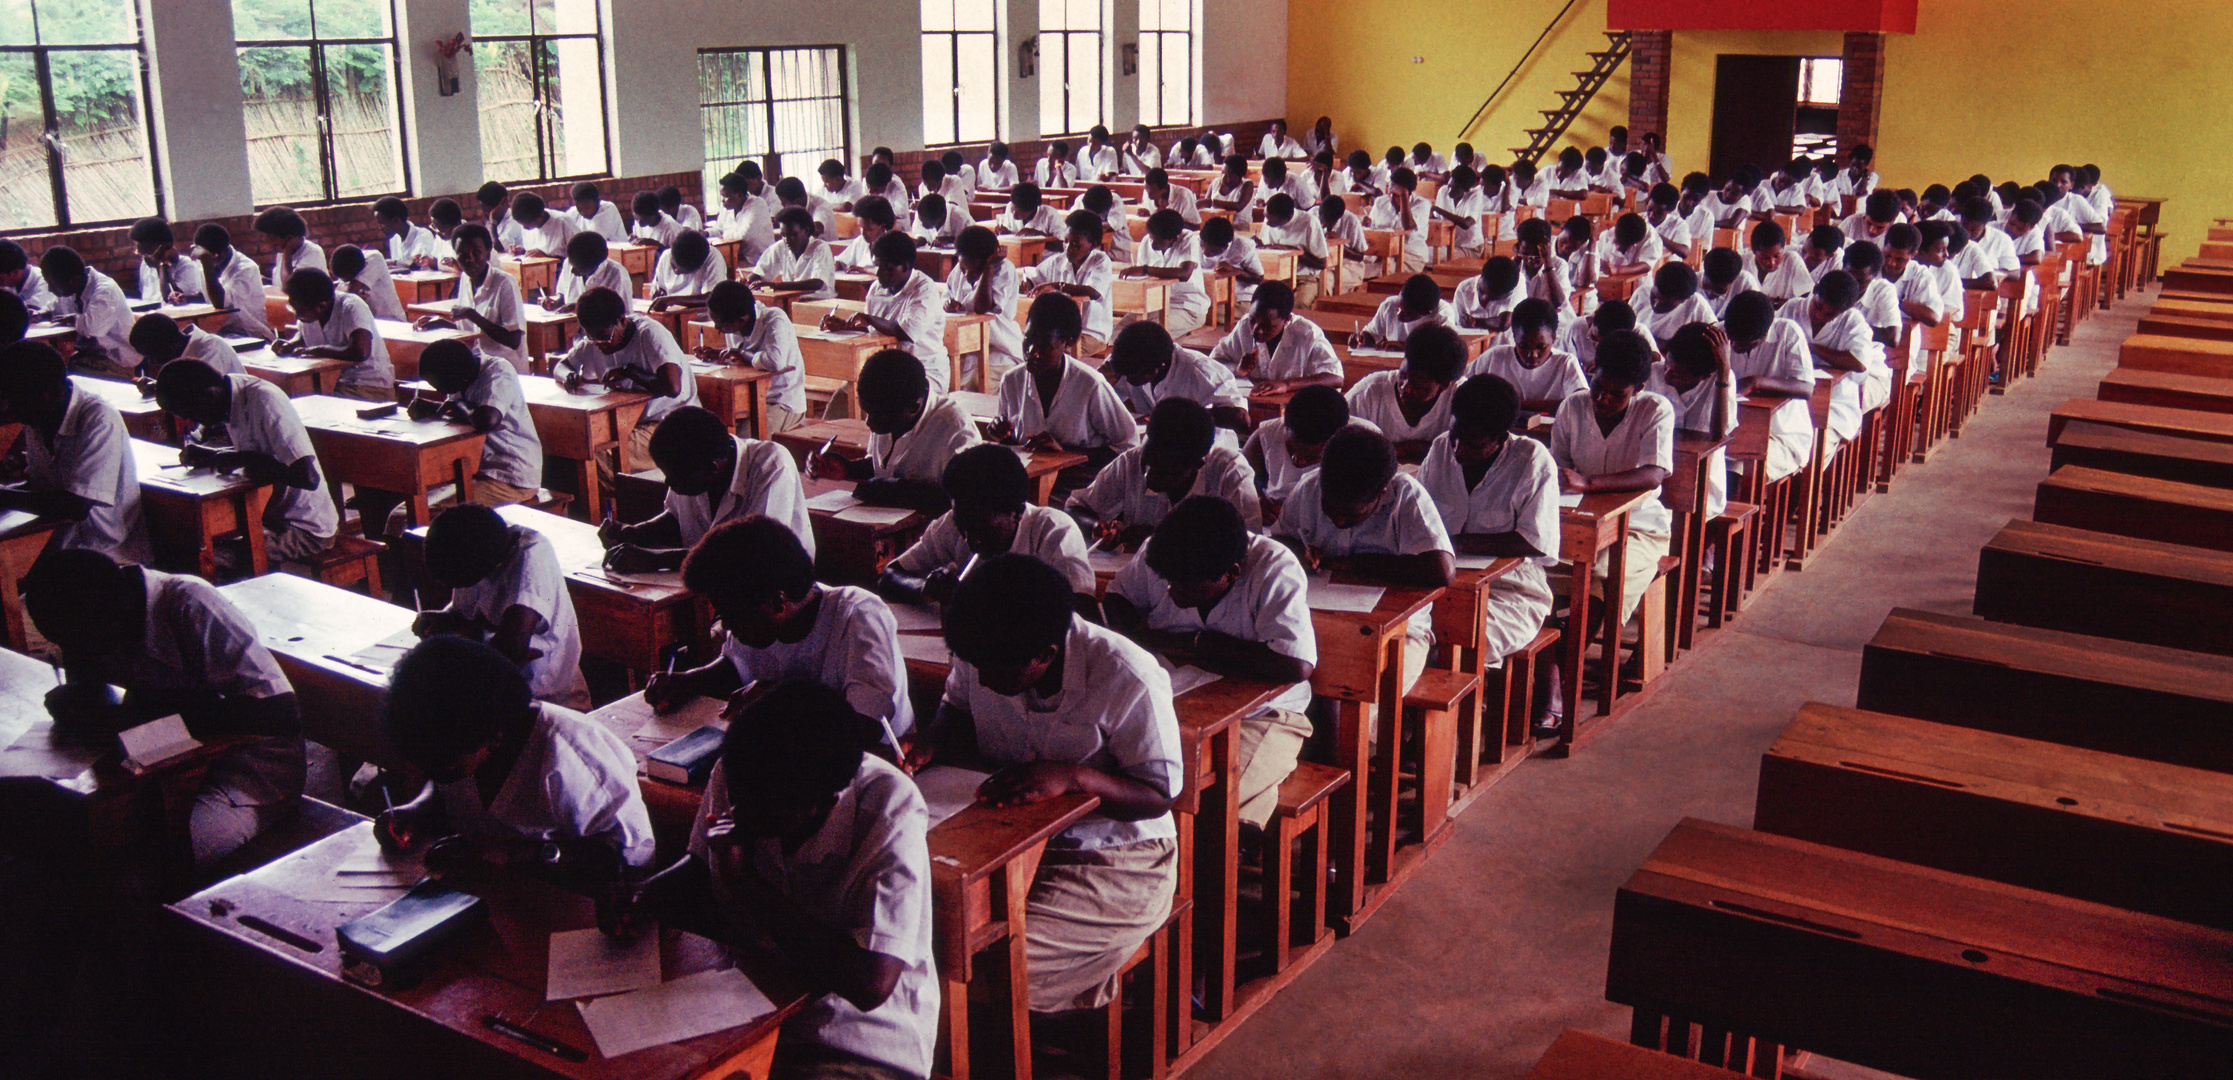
1073 72
540 70
1167 62
790 103
961 71
318 92
74 132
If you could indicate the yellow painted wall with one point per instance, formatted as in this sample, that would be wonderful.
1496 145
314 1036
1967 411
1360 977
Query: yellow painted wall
1352 61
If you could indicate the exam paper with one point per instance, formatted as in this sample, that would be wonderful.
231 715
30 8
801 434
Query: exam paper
156 742
654 730
948 790
387 652
917 617
1185 677
589 963
1569 500
1327 596
875 515
1106 562
670 578
1476 562
686 1008
833 501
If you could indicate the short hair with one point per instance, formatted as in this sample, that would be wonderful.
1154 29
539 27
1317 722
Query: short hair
753 560
1158 177
876 210
733 182
1766 235
1902 237
1618 131
1724 265
1141 347
976 242
1421 293
892 378
1749 316
31 367
1665 194
1203 538
1280 205
1613 316
1976 210
156 332
465 543
490 193
1595 158
1435 352
1315 413
1864 255
877 175
1180 428
669 193
1493 176
1862 152
645 204
1625 357
1358 159
1277 297
12 257
1088 224
390 207
1579 228
790 189
932 205
1676 281
1219 230
1691 350
797 216
15 319
951 161
1024 194
61 262
449 364
72 581
1881 206
152 230
449 697
2028 211
1054 313
182 379
527 205
445 212
689 434
1630 228
1483 404
347 262
309 286
1360 463
1937 193
1011 609
1464 178
894 248
1534 230
690 250
729 301
600 308
798 745
1166 224
1403 177
1838 289
1500 273
1532 314
587 246
1825 238
472 232
986 478
585 191
1570 158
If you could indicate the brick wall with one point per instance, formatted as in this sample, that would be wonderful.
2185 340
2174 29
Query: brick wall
1863 92
1651 53
332 225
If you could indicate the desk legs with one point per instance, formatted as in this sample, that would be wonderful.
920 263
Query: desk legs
1616 575
1015 883
1352 750
1577 651
16 558
1217 834
1355 852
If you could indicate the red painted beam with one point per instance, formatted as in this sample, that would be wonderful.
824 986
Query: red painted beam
1876 16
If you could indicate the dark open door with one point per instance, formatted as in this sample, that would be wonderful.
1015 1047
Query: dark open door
1756 106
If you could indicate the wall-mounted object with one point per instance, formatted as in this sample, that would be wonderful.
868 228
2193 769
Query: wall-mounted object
1131 58
445 62
1027 58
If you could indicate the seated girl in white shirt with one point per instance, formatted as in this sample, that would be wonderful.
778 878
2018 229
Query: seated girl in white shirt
687 271
798 261
1725 279
1615 437
1175 255
992 515
1542 374
1286 449
913 432
652 225
753 336
984 282
1056 401
1419 304
1180 458
367 278
506 590
1485 300
1411 405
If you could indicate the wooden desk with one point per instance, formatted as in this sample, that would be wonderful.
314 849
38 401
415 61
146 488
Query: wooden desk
2154 419
2060 578
2137 453
637 259
396 454
851 285
1685 493
2208 279
838 355
207 316
548 334
20 548
314 629
737 394
1144 296
1360 303
2182 356
1024 251
969 335
266 1003
1598 525
62 338
1210 836
582 427
2142 701
143 418
982 862
1908 969
1458 621
424 286
2186 326
850 551
297 376
672 318
405 343
1387 285
533 272
2137 835
187 510
2167 390
2136 506
1042 467
1579 1055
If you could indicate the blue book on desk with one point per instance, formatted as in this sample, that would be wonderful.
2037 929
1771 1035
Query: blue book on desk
382 948
687 760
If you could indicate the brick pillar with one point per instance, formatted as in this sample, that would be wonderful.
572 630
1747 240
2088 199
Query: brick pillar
1648 57
1863 92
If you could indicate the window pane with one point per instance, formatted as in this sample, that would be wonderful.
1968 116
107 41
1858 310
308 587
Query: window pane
282 116
1178 79
1177 14
351 18
1052 56
980 80
507 102
23 154
574 103
1053 15
367 141
1151 16
938 15
104 138
15 25
975 15
270 20
1085 14
938 89
87 22
1151 78
492 18
566 16
1085 81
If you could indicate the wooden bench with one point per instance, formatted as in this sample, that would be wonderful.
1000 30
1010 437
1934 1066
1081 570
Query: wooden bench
2137 835
351 560
2140 453
2184 423
2122 697
2167 389
1908 969
2186 327
1301 809
2059 578
2136 506
2185 356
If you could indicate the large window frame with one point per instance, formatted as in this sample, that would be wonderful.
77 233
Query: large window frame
1169 53
42 53
541 47
729 120
329 179
952 125
1057 43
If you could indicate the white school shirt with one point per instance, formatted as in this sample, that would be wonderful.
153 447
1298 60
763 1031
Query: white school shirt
497 299
605 222
414 242
1117 225
1280 474
1086 411
1555 379
688 217
1005 338
1694 411
1094 165
1790 279
1001 177
764 481
1349 232
1187 293
752 225
1043 532
1674 229
1192 376
36 297
1302 233
531 579
921 452
308 257
816 263
507 232
1405 523
104 315
1472 204
773 345
1313 145
243 285
1385 215
1644 436
512 452
1113 713
649 348
350 314
1302 351
1205 157
1789 200
1518 493
1536 194
852 647
858 256
661 232
1845 184
551 236
1849 396
379 289
609 274
210 349
919 307
181 275
1880 305
1049 174
573 779
865 873
1645 253
1273 146
1782 354
1745 283
2083 213
1858 226
1993 253
1468 302
91 458
1119 491
1180 198
195 639
1662 326
1095 273
1268 604
1045 219
263 420
1294 186
1701 222
946 233
1919 287
1390 325
1138 159
1375 399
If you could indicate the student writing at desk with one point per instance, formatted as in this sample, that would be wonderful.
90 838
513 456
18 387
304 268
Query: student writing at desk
292 248
91 301
506 589
543 232
265 440
1411 405
1180 458
23 279
624 351
876 216
1485 301
1275 350
1844 350
1542 272
514 781
750 337
712 476
992 515
338 325
1419 304
1498 496
1542 374
1026 215
231 280
798 262
175 645
1147 368
365 275
1059 705
1695 379
167 276
1290 228
484 393
914 431
77 457
1083 273
1769 360
161 340
1057 402
984 282
938 220
688 270
487 300
589 265
1174 254
905 305
783 625
814 843
410 246
649 224
1210 592
1285 449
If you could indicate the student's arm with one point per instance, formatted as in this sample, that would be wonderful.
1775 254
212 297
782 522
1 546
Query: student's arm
662 531
1839 359
65 505
514 634
1926 314
1503 545
357 351
664 381
1643 478
825 957
1426 570
257 466
719 679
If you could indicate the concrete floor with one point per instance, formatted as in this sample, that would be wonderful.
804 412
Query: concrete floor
1500 941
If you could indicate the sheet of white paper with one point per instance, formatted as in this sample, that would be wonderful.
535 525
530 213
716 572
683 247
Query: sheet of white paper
654 730
917 617
833 501
875 515
1106 562
686 1008
1327 596
156 742
11 520
670 578
1476 562
1189 677
387 652
948 790
1569 500
925 648
587 963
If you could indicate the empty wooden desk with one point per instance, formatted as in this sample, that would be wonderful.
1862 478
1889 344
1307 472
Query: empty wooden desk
424 286
548 334
1147 297
143 418
837 355
395 454
533 271
736 394
405 342
188 509
297 376
1597 525
2167 389
2059 578
2184 356
2163 324
637 258
2137 506
581 428
332 644
2153 419
2141 453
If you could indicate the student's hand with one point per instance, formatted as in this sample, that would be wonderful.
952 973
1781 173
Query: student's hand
610 532
551 303
1572 480
422 409
448 263
825 466
668 691
1105 531
1044 442
175 298
955 307
1022 785
453 855
397 827
431 623
1002 431
1313 559
197 456
1363 340
939 584
708 353
630 559
76 703
572 381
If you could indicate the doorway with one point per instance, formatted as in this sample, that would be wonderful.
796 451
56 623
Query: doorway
1770 109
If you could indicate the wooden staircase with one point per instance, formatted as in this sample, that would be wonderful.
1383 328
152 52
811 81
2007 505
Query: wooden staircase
1572 102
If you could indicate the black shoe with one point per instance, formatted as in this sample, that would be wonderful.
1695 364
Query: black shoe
1550 726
